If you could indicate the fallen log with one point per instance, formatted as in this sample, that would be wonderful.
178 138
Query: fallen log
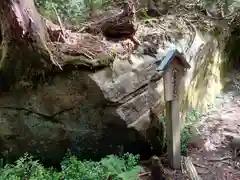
117 27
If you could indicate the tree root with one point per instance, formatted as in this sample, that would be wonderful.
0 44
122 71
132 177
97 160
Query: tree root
83 61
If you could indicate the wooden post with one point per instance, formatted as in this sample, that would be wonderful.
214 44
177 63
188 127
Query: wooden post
173 65
172 78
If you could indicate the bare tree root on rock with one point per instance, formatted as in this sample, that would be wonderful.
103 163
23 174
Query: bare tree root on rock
24 52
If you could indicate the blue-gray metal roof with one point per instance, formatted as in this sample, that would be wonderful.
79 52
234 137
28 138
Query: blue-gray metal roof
167 60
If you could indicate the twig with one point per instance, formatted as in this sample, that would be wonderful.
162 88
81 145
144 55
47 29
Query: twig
60 23
220 159
87 55
237 173
144 174
90 53
200 150
200 165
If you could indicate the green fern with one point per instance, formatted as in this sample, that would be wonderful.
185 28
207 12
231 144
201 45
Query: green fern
132 174
118 168
123 168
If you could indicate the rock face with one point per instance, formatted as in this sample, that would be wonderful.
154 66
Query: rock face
94 114
85 112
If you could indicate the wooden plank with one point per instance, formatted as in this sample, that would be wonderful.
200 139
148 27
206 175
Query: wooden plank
168 85
192 173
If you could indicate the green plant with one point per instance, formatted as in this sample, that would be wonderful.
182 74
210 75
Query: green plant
72 11
118 168
185 137
123 168
188 130
225 6
192 116
26 168
72 169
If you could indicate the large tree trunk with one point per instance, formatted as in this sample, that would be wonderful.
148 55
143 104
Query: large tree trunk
24 53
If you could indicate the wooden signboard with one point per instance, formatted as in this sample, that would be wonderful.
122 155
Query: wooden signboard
171 88
173 66
168 85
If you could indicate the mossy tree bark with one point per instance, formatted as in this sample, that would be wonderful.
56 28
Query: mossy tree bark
23 52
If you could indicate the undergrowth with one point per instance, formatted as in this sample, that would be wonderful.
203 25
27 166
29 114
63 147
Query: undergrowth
189 129
72 11
111 167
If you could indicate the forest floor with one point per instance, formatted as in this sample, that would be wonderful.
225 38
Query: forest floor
210 151
213 156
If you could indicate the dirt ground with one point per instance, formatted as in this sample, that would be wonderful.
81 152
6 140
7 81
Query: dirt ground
213 156
210 151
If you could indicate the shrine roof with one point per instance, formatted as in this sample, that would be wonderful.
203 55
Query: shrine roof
169 57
